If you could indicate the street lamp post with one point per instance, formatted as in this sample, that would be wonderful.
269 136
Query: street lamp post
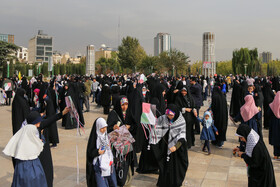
39 68
245 65
8 69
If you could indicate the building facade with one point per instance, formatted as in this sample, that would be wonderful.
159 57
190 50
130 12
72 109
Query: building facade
7 38
162 42
104 52
208 54
40 48
90 60
266 57
22 54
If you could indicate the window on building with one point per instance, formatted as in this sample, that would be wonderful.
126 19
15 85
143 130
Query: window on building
48 54
48 48
44 41
39 59
40 51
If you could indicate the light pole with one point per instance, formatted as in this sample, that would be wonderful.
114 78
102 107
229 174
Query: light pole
245 65
8 69
39 68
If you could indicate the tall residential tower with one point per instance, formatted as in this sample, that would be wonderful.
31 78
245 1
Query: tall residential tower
90 60
208 54
162 42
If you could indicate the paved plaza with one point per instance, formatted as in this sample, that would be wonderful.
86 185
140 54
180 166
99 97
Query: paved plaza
219 169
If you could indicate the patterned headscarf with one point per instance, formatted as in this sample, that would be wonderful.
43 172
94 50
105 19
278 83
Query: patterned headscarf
124 100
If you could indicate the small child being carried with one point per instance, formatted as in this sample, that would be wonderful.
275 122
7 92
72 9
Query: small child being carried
208 129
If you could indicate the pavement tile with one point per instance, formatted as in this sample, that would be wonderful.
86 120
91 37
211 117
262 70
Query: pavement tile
213 183
220 168
216 176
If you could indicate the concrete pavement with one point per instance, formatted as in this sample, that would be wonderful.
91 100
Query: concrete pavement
220 168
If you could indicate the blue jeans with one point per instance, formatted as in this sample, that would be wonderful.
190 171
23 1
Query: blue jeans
93 96
110 181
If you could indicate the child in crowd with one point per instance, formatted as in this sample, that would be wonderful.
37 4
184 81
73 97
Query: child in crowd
208 129
100 167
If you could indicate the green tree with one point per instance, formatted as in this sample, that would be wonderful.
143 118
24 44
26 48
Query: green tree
245 58
149 64
224 68
175 60
130 53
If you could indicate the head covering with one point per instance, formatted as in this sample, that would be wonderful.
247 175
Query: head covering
250 82
249 109
251 137
174 109
208 122
34 117
275 105
102 142
124 100
25 144
177 130
37 91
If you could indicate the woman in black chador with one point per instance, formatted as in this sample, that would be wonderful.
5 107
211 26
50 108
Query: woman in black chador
268 98
20 109
171 148
105 98
185 103
51 133
67 122
256 156
220 115
158 99
121 115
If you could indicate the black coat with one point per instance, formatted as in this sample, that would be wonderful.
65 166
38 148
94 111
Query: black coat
113 117
261 170
196 91
91 153
187 102
20 109
236 100
220 113
172 173
52 134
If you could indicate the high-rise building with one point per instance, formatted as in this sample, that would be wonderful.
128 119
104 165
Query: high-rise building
40 48
162 42
90 60
208 54
266 57
7 38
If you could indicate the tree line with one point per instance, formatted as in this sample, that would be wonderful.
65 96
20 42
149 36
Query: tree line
131 57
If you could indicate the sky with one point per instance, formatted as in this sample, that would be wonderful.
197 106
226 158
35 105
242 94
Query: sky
74 24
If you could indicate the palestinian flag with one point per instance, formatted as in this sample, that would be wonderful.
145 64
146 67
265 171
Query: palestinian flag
149 120
148 114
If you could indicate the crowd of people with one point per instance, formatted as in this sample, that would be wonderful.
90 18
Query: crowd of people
178 102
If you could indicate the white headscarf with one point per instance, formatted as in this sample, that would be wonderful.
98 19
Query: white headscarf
251 142
25 144
105 159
